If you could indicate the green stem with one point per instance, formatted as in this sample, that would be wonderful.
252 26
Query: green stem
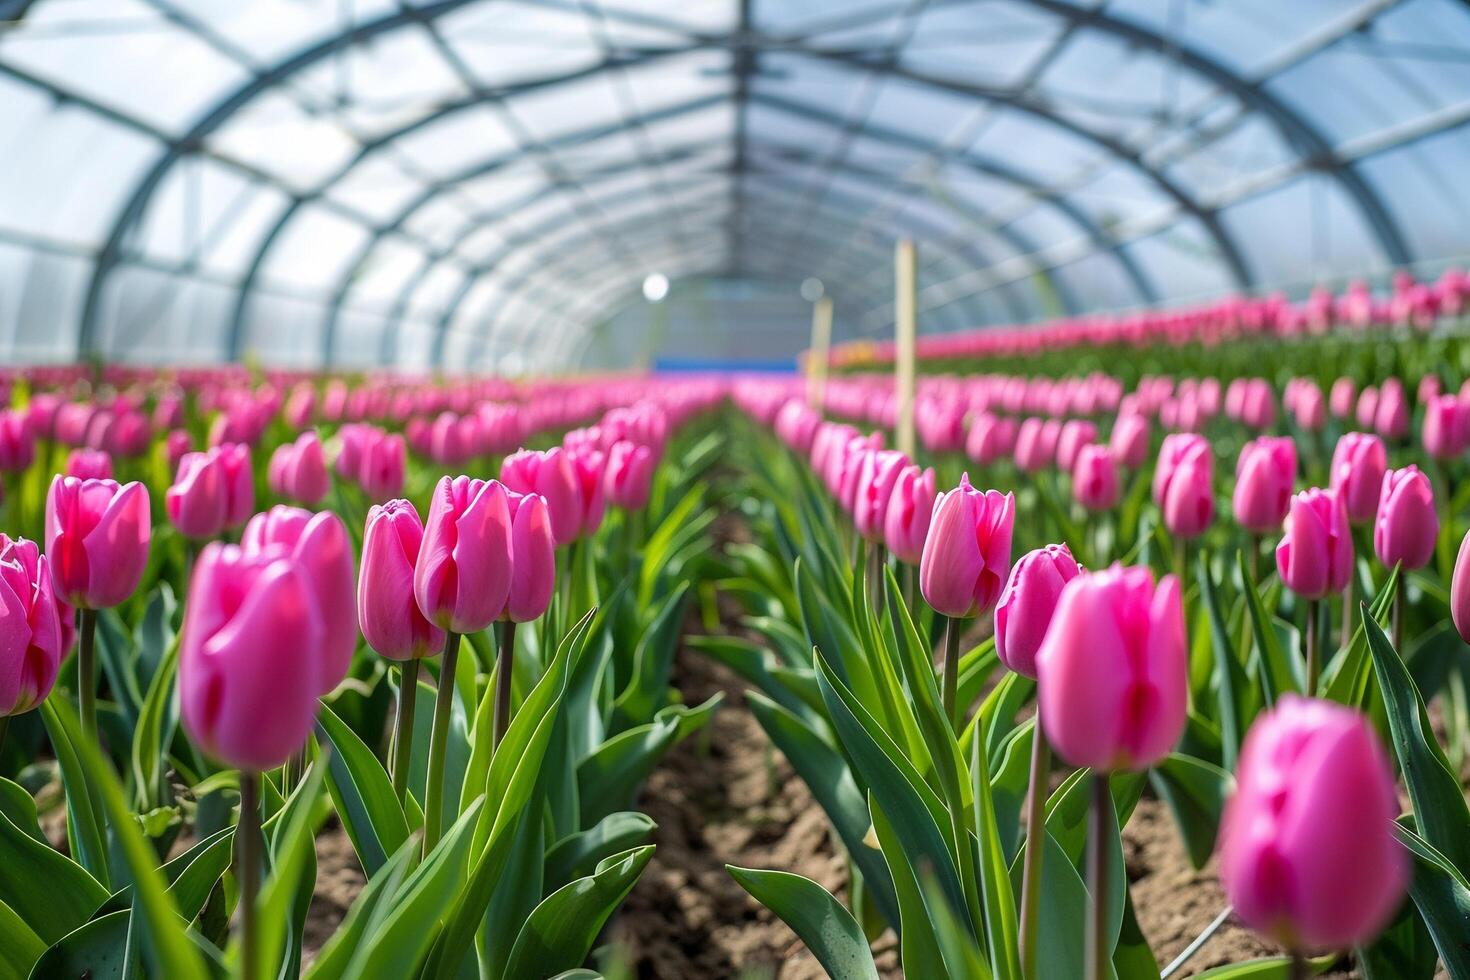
1180 557
1097 879
408 685
4 724
1035 844
87 672
1299 968
438 737
247 869
951 669
1314 640
505 656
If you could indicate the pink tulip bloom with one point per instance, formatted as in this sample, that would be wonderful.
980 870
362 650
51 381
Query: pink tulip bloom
89 464
196 501
463 573
97 536
386 608
630 469
1315 556
1264 476
250 623
877 476
550 474
967 553
31 643
1112 670
1358 464
1407 523
1308 854
1095 478
1026 607
910 509
533 561
1130 440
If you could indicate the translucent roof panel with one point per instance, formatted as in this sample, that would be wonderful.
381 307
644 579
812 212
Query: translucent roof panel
382 181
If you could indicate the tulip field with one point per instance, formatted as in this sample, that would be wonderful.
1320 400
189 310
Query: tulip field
1197 575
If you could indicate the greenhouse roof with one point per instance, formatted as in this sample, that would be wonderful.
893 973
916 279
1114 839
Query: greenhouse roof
450 183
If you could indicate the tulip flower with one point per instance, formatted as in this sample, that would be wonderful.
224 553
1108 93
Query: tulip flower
1445 427
1182 484
176 444
462 581
877 476
1264 475
381 470
551 475
1391 417
1075 433
319 543
910 508
1342 398
89 464
589 467
1129 440
1407 524
17 442
31 643
533 549
629 474
1112 693
966 559
196 501
1358 465
1308 853
1315 556
1460 590
391 620
239 482
1035 445
97 536
1095 478
1026 606
299 470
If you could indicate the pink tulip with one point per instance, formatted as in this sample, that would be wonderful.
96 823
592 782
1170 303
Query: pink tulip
589 466
533 559
250 623
1358 465
1391 421
967 553
1075 434
1264 476
301 473
1095 478
1112 670
1407 524
629 474
386 608
1460 590
1129 440
463 574
97 536
1309 410
89 464
196 501
1308 854
551 475
1034 450
31 642
239 482
1183 484
910 508
17 442
1445 427
176 444
381 470
1367 411
1315 556
1341 399
320 545
877 476
1025 608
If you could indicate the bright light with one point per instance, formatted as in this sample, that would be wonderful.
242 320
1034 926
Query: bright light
655 287
812 289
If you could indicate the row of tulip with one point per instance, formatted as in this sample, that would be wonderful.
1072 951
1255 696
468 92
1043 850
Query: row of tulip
496 826
1221 689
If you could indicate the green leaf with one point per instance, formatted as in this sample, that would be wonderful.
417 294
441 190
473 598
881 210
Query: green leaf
1440 812
20 806
1232 686
578 855
362 794
609 778
755 665
83 807
1442 896
828 929
290 838
154 733
922 909
20 947
1276 673
1345 679
366 915
1196 792
96 950
995 885
562 929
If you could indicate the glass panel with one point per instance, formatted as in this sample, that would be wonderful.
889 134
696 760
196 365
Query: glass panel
1302 232
314 249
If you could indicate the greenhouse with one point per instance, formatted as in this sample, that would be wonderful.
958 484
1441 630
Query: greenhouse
526 489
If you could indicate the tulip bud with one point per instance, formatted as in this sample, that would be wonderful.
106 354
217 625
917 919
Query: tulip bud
17 442
1308 854
1112 670
1264 475
1075 434
381 469
967 553
31 643
533 560
239 482
1130 439
1460 590
910 508
320 545
1444 427
299 470
1341 399
1182 484
97 536
551 475
463 574
1407 524
877 475
1358 464
589 467
1315 556
1095 478
629 474
196 501
1391 421
89 464
250 623
386 608
1026 607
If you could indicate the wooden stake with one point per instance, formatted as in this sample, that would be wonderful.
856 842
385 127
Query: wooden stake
906 328
820 353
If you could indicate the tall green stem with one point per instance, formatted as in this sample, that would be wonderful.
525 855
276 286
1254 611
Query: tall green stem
438 737
1035 845
951 669
408 686
1314 647
87 672
1097 879
1299 968
505 656
247 869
